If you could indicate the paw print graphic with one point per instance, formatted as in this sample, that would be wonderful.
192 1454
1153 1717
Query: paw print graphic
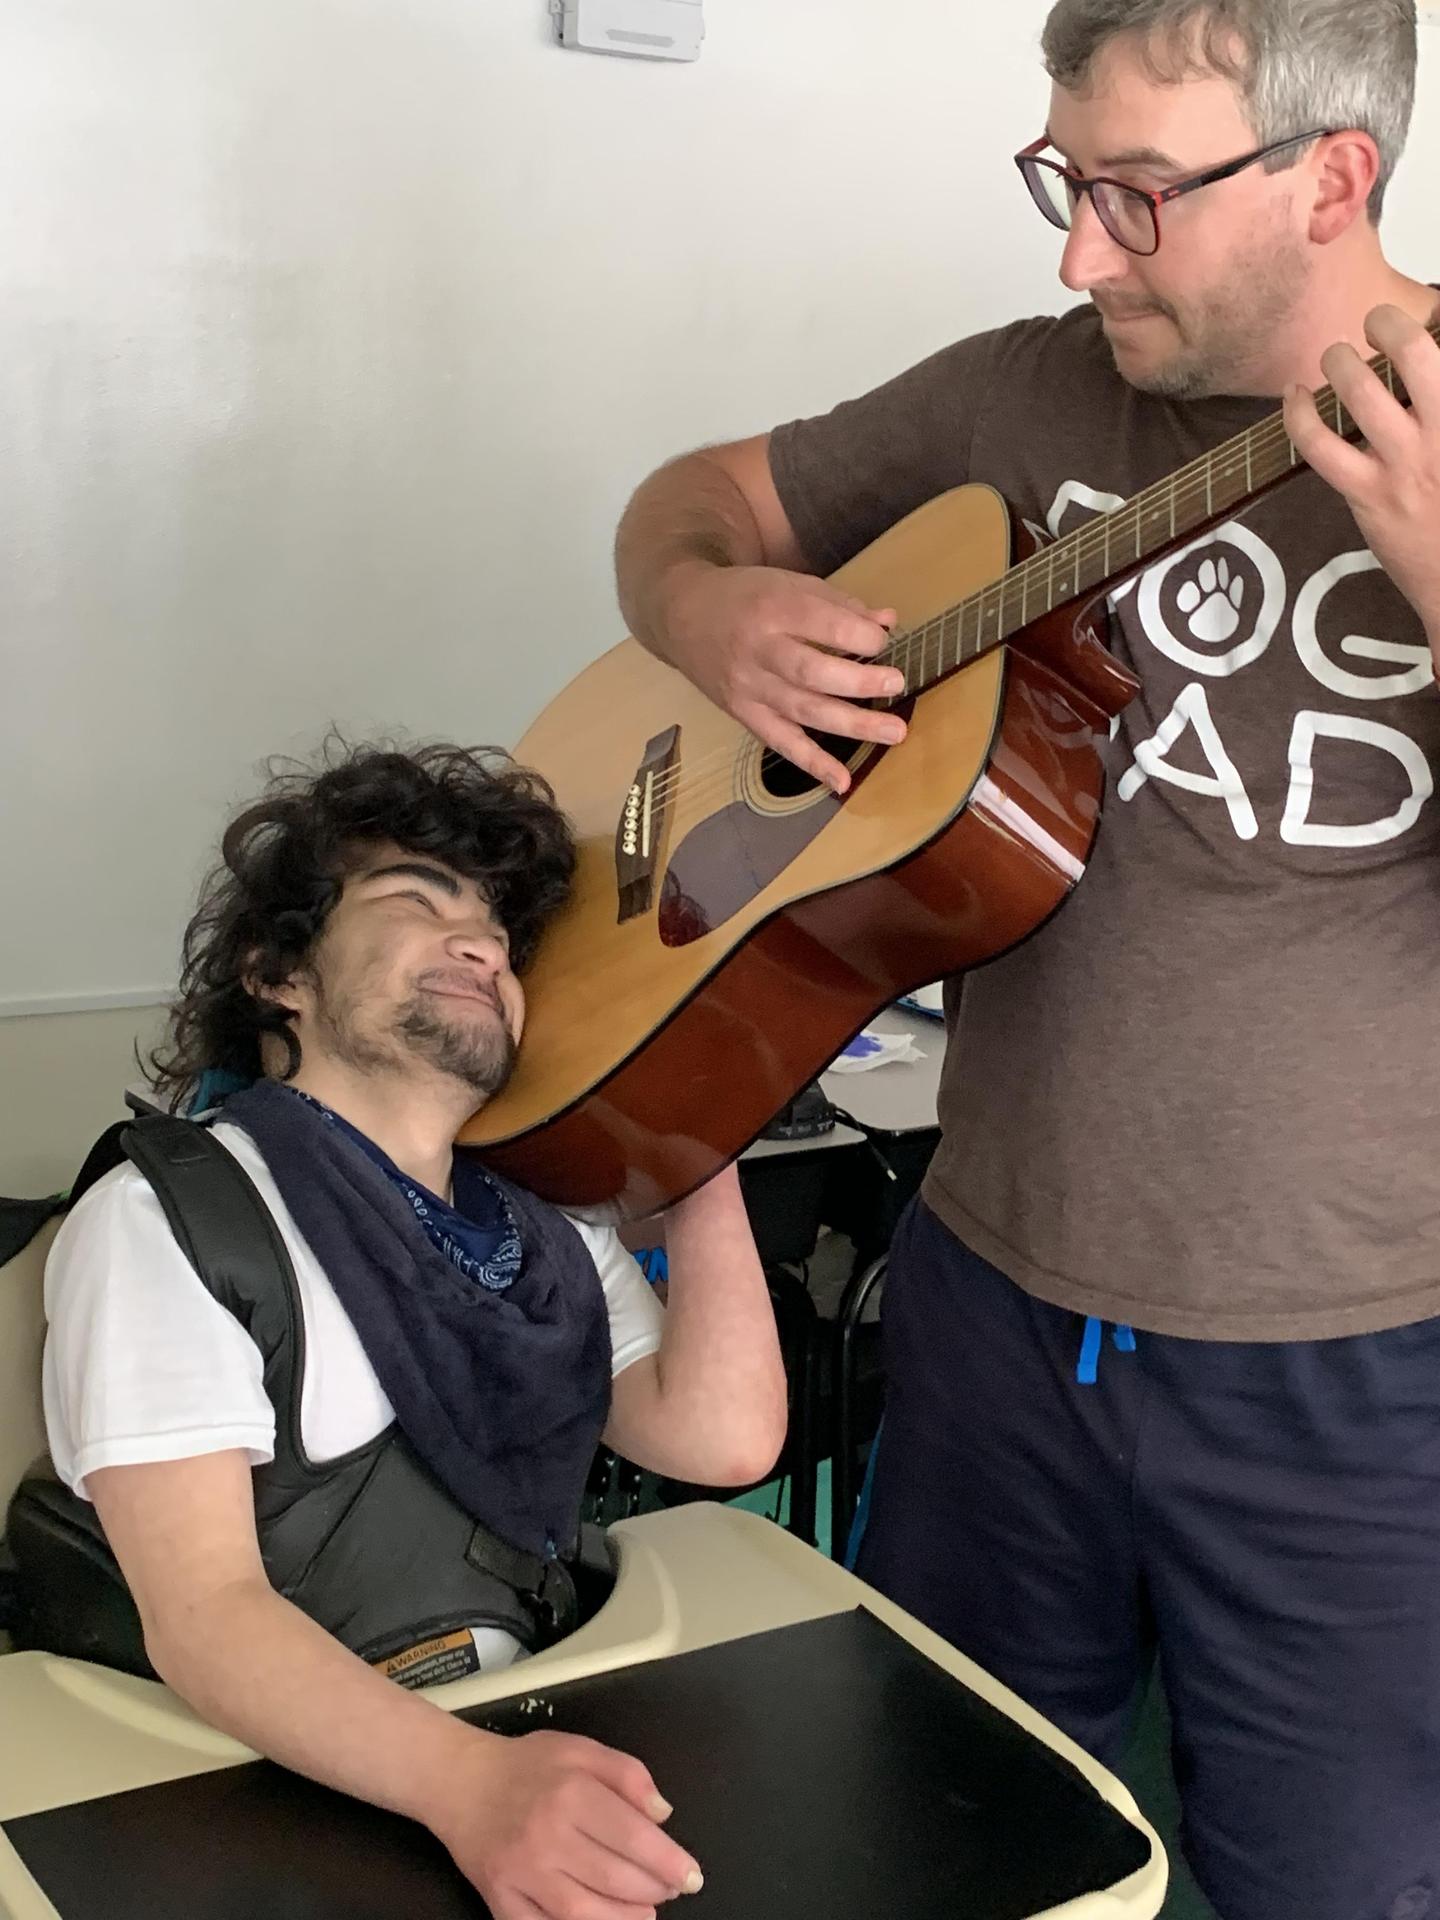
1212 602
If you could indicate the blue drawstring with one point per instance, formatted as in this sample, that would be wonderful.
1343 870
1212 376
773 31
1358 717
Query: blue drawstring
1088 1370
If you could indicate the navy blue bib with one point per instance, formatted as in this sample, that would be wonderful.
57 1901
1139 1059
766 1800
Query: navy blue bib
502 1392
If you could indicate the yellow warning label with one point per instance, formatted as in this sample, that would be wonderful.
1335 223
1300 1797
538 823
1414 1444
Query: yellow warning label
448 1657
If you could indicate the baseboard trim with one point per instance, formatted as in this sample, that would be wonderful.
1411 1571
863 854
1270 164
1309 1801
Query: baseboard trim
24 1006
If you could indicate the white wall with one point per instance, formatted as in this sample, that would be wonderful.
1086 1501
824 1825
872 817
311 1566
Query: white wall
334 334
63 1077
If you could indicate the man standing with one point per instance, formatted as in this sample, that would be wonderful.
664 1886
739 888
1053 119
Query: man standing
1200 1104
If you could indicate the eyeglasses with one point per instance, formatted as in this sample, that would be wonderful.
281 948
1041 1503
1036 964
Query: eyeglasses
1130 215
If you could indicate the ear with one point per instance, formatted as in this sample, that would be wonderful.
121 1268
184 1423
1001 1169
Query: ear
284 993
1345 167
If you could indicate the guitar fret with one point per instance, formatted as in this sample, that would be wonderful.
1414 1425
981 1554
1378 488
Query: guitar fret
1067 568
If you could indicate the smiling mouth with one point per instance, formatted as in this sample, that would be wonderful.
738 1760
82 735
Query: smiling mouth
459 990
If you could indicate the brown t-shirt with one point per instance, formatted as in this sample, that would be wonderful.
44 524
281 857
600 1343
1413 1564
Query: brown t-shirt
1205 1098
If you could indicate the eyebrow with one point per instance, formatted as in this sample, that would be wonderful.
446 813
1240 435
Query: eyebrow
418 870
1149 158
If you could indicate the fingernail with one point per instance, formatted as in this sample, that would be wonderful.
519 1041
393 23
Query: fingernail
694 1881
659 1809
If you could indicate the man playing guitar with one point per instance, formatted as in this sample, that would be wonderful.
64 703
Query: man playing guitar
1163 1330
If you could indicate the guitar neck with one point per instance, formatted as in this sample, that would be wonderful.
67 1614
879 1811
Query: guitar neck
1107 551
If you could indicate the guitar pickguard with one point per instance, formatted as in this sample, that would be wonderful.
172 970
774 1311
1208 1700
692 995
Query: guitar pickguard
720 865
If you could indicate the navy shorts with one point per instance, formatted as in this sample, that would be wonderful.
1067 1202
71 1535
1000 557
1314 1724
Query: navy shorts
1263 1518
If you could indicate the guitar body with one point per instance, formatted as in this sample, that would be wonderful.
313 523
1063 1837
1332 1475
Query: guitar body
733 926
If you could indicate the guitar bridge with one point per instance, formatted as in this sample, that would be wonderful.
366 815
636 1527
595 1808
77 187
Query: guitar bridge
641 830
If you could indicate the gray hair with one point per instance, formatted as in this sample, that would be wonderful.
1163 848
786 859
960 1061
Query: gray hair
1305 63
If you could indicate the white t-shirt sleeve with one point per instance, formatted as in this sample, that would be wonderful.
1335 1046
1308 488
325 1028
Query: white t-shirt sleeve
141 1362
637 1319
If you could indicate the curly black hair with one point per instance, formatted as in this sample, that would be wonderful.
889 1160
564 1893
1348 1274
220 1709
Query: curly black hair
284 860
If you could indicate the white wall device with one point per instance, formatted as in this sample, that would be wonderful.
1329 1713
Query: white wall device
646 29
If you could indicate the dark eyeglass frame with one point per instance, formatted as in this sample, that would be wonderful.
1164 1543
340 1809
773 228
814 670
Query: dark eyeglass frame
1029 162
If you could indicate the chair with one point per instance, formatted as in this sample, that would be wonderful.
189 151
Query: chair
22 1340
843 1373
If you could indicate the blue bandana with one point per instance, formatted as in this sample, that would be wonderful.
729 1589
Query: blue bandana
483 1241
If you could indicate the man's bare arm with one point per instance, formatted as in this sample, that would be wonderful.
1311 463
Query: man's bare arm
712 579
524 1819
709 1407
716 508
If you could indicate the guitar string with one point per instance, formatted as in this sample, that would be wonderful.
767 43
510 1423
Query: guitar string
1264 437
704 779
1099 536
1179 491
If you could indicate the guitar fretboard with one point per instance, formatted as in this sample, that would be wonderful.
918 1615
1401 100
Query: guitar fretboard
1107 551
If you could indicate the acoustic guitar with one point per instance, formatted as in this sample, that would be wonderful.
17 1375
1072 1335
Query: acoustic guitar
734 924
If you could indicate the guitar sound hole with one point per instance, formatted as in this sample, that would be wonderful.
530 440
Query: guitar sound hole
784 781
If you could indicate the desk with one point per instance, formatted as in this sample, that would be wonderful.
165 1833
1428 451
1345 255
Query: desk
694 1578
838 1136
901 1096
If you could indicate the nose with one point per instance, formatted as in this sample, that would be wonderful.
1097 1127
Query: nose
479 946
1091 257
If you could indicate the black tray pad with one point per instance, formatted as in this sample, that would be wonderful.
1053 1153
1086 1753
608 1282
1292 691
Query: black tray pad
820 1770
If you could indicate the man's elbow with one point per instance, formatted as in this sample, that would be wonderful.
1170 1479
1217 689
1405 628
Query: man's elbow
169 1657
185 1639
175 1650
752 1458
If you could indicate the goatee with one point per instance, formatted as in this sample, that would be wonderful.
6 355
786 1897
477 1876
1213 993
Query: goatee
481 1057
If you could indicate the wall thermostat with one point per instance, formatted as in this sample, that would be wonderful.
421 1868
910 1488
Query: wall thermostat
645 29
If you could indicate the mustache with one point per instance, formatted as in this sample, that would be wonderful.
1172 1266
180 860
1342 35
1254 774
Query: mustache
458 980
1131 309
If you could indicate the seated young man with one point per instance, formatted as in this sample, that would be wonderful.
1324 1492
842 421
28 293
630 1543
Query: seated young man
463 1347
